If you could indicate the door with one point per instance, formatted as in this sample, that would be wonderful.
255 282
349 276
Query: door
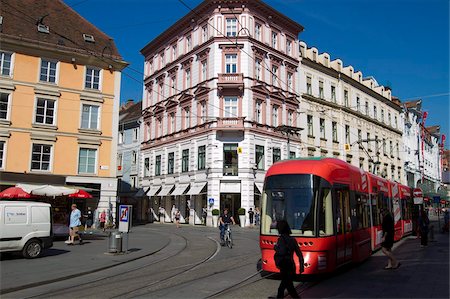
344 238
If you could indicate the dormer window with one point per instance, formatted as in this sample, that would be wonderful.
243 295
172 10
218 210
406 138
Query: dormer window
43 28
88 38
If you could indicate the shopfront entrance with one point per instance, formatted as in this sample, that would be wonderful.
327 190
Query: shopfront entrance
232 201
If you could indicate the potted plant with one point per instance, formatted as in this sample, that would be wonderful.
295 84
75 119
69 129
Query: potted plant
241 213
215 216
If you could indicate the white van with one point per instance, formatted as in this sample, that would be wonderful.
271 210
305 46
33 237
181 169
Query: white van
25 226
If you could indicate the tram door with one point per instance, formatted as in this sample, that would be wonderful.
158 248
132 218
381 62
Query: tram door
344 238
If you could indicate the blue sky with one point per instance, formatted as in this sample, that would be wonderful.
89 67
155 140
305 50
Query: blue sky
402 43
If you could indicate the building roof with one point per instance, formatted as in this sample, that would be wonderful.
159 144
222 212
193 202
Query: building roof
414 104
130 112
434 130
66 27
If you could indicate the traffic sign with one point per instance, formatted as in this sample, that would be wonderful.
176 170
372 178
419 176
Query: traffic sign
418 196
211 201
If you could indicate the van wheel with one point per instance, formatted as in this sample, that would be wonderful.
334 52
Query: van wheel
32 249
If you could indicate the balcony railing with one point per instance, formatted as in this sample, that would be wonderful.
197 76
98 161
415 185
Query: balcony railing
230 170
233 80
230 123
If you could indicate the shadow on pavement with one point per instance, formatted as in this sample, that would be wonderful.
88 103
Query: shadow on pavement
45 253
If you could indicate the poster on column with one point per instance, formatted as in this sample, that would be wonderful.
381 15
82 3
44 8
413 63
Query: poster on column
125 214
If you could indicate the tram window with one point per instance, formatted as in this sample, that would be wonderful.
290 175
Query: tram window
354 222
340 206
362 211
326 213
375 212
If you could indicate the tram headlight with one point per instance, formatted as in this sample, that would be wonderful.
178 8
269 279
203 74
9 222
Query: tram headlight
321 262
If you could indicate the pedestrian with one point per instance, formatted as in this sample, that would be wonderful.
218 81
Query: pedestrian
103 220
424 222
161 214
75 223
177 218
204 214
284 259
257 216
89 218
387 240
251 215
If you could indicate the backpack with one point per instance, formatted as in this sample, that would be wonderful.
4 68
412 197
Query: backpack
283 254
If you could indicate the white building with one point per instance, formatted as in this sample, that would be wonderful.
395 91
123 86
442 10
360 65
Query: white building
229 87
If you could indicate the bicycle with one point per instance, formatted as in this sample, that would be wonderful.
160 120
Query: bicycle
227 237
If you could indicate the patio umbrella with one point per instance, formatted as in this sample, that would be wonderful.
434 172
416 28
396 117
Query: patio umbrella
15 192
52 191
80 194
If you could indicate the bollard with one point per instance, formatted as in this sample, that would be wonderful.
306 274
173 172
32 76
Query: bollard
115 242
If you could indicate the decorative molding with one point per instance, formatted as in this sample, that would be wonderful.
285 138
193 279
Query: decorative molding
89 141
92 97
47 90
43 137
89 131
7 85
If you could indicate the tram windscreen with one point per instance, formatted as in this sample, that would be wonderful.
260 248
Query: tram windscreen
290 197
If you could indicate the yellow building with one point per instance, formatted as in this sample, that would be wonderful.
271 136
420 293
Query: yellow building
59 100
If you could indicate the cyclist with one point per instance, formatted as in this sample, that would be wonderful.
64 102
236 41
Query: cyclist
224 220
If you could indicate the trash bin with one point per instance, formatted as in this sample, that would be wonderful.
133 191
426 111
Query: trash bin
115 242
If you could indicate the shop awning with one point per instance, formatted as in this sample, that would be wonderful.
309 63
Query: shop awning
141 192
152 191
180 189
259 186
196 188
230 187
165 190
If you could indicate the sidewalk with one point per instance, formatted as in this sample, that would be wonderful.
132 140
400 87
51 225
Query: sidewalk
424 273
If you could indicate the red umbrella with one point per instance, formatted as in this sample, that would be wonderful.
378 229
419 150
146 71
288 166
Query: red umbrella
80 194
15 192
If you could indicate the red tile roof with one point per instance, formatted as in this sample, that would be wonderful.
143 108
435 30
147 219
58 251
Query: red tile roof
66 27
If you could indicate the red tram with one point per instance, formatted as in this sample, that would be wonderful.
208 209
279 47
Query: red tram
333 209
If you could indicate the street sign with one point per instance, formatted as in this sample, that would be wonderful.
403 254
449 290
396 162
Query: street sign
418 196
211 201
239 150
125 218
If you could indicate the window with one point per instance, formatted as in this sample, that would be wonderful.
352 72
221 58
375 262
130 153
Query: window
258 112
257 69
230 158
185 161
359 135
321 89
274 75
188 78
347 134
231 107
231 63
5 63
391 148
133 158
120 137
384 146
92 78
172 122
40 157
45 111
187 118
173 85
159 127
333 93
146 166
310 125
274 40
334 128
288 47
257 31
259 155
382 115
4 104
204 70
395 121
203 112
276 155
87 160
205 33
369 143
308 85
135 134
133 181
398 151
367 108
89 117
358 104
231 27
375 112
189 43
389 119
289 81
48 71
322 128
163 59
170 163
345 97
290 118
291 155
2 153
158 165
275 115
201 157
174 52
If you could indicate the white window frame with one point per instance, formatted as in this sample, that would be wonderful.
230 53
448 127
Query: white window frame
188 78
55 109
204 70
231 63
274 40
50 162
134 157
334 131
174 52
189 43
288 46
3 154
8 106
333 93
310 125
274 75
100 75
203 112
11 63
321 89
258 31
48 61
231 27
289 80
172 122
187 117
322 128
121 137
290 118
205 33
258 111
275 115
230 106
133 182
135 134
98 116
257 69
309 85
96 160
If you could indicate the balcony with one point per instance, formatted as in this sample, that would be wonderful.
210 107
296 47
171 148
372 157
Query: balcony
230 123
231 81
